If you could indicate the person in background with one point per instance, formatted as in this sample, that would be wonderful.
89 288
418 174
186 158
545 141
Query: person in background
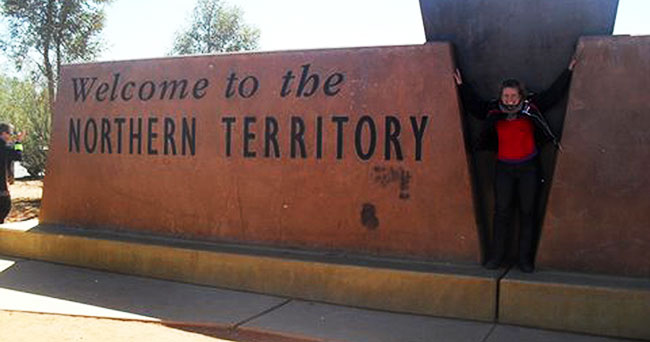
516 129
11 149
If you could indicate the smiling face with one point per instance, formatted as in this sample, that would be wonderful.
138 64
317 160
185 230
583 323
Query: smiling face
510 96
6 136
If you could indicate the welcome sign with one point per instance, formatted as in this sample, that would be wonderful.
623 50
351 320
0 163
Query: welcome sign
358 150
95 135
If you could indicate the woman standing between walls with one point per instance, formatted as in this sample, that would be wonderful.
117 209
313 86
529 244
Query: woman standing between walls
516 129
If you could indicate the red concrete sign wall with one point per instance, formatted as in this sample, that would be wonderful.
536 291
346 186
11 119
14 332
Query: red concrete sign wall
598 217
350 149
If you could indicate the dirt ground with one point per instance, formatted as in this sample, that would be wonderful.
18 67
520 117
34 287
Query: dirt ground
25 199
34 327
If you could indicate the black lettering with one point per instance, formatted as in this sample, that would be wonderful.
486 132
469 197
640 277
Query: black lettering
306 78
340 121
189 136
242 87
80 90
393 128
331 83
319 137
170 127
125 89
120 122
73 134
229 121
297 136
141 91
106 138
174 85
116 79
151 135
199 88
358 144
286 85
101 90
248 136
90 148
136 135
418 133
229 88
270 136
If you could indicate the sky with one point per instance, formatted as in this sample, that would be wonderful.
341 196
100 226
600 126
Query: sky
146 28
284 24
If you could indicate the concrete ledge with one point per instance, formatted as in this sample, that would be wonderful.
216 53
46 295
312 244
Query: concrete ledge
599 305
459 292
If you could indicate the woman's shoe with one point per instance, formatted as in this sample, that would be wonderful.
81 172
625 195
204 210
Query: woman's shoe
526 267
492 264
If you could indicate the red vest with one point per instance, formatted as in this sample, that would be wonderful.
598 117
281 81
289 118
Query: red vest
516 140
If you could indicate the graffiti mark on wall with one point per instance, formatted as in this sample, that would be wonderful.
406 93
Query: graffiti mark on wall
387 176
369 216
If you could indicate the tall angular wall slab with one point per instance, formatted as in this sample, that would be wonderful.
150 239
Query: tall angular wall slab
598 217
359 150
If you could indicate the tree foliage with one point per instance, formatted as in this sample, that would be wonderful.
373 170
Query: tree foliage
52 32
215 28
26 106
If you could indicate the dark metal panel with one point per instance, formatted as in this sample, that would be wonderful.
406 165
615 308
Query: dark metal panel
531 40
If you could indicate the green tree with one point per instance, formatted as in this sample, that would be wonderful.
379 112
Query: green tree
38 126
52 32
215 28
25 104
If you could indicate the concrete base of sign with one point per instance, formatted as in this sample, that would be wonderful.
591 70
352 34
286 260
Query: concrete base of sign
591 304
601 305
418 287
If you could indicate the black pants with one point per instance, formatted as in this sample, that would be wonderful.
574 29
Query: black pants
5 207
515 182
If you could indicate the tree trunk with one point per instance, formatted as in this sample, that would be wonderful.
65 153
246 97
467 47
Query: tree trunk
47 39
49 74
57 74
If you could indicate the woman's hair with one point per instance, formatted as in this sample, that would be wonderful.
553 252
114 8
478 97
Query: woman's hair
6 127
513 83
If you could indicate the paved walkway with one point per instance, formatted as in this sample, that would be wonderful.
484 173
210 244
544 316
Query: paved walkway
34 286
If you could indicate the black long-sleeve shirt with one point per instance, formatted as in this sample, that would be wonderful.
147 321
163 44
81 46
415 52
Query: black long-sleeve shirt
8 154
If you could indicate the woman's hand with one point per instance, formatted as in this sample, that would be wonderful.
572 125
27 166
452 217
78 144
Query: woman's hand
20 136
573 62
457 77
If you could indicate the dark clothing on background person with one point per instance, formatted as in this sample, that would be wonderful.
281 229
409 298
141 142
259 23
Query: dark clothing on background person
5 207
8 154
517 138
